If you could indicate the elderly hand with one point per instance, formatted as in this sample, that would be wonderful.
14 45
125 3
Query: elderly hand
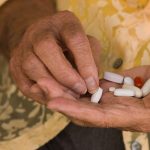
126 113
39 58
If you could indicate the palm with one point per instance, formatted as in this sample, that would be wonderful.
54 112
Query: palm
127 113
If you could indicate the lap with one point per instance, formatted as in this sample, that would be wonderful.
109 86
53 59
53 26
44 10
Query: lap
80 138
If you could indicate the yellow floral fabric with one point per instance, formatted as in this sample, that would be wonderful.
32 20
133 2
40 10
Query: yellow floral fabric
123 29
122 26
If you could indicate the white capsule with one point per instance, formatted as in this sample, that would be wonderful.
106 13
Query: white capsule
112 89
146 88
128 81
124 92
95 98
138 91
113 77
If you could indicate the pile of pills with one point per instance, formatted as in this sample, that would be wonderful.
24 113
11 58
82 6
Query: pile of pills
131 87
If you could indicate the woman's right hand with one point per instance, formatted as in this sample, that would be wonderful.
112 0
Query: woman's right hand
39 66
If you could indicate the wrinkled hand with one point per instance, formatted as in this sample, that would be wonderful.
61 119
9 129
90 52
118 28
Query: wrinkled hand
38 63
127 113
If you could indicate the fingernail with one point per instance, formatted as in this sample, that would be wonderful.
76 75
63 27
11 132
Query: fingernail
91 85
80 88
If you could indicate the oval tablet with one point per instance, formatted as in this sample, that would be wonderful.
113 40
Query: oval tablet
112 89
138 92
146 88
95 98
128 81
124 92
113 77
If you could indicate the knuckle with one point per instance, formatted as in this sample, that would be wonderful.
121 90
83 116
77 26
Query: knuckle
40 30
72 29
78 39
41 47
80 44
71 25
41 37
28 64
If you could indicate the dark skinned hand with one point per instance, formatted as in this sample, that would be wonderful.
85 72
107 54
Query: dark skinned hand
126 113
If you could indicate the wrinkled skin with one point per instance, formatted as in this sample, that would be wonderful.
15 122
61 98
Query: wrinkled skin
43 73
126 113
39 66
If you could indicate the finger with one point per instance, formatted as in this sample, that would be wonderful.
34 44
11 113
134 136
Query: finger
143 71
77 42
21 80
24 84
53 89
52 56
96 50
33 67
36 71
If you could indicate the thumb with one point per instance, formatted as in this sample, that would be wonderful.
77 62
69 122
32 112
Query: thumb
80 110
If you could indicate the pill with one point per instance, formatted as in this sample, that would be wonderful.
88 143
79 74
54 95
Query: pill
128 81
112 89
118 63
138 91
95 98
124 92
138 81
113 77
146 88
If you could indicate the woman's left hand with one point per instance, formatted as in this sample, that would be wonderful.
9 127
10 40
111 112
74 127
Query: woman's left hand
126 113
